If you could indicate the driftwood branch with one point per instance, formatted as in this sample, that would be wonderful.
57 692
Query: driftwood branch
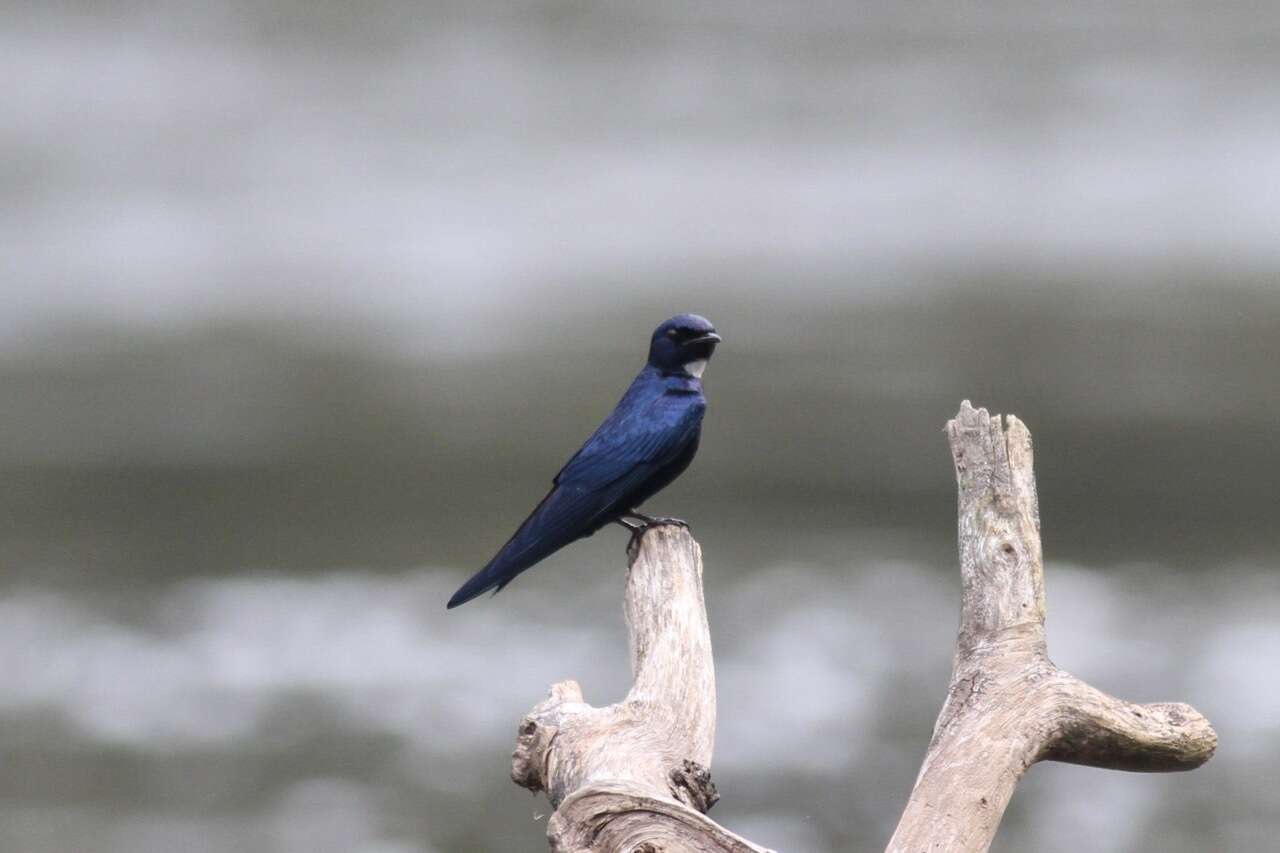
1008 705
635 776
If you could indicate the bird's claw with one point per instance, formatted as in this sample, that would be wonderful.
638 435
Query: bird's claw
642 524
656 521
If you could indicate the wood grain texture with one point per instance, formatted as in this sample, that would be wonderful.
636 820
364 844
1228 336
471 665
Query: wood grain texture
634 776
1008 705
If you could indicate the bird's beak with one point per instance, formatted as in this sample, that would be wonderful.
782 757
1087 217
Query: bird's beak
708 338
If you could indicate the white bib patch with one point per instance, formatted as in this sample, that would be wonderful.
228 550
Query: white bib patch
695 368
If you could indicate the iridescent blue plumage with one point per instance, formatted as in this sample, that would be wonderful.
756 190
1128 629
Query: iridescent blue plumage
644 444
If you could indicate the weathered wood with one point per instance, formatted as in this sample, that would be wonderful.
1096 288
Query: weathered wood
634 776
1008 705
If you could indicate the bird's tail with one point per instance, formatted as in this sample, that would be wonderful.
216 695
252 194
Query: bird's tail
563 516
481 582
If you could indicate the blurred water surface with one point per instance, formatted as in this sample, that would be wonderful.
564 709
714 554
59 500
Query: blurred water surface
304 303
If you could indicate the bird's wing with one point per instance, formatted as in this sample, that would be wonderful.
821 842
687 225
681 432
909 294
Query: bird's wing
638 436
562 516
642 435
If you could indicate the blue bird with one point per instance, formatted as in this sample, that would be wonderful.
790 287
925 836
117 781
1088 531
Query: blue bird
644 444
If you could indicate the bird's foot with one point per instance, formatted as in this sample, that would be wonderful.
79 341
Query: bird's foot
639 529
655 521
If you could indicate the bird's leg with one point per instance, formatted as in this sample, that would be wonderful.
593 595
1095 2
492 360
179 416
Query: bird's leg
637 530
649 520
646 521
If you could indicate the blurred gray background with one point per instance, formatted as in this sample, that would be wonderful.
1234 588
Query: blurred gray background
303 303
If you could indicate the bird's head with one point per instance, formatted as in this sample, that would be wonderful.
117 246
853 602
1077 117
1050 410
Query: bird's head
683 344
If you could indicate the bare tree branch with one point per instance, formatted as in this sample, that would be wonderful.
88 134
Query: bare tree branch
1008 705
635 776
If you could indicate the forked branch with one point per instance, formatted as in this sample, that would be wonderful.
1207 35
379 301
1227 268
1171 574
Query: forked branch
1008 705
634 776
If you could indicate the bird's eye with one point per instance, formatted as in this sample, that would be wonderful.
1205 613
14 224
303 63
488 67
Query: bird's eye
671 333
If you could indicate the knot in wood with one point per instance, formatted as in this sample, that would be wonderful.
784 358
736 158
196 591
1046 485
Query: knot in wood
1005 552
691 784
528 761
